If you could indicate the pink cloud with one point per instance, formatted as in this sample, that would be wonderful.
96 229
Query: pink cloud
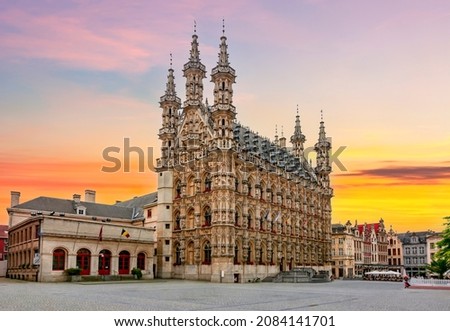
70 41
109 35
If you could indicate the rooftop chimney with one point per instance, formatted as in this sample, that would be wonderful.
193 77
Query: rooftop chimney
89 196
76 198
15 198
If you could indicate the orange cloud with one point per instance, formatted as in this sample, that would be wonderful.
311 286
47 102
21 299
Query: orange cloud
406 197
64 178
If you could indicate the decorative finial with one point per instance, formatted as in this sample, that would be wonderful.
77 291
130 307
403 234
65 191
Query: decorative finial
282 129
223 26
195 26
276 130
170 60
297 109
321 115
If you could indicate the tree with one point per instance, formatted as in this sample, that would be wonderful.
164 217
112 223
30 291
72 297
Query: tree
439 266
444 243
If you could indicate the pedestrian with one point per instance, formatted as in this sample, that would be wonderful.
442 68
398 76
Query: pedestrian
406 279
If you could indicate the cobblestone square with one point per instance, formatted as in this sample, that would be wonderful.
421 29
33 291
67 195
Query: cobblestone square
178 295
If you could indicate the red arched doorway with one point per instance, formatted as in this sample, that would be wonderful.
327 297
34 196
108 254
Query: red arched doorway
84 261
104 262
124 263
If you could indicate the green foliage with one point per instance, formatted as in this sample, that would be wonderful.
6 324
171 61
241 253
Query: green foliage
137 272
444 244
73 271
439 266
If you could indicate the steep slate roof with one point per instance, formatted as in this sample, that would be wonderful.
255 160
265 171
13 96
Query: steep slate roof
69 206
138 203
270 152
337 228
405 238
375 226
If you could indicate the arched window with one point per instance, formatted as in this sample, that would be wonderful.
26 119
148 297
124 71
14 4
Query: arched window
178 191
236 218
273 257
262 190
207 216
207 253
207 183
104 262
191 186
177 222
124 263
190 253
236 254
59 259
177 255
250 254
249 188
84 261
250 220
262 254
141 261
190 218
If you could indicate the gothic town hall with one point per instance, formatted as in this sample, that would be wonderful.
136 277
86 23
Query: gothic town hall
233 206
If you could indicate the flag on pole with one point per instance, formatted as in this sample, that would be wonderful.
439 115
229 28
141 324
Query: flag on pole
125 233
100 234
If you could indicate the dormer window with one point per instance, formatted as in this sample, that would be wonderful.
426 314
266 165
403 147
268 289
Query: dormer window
81 210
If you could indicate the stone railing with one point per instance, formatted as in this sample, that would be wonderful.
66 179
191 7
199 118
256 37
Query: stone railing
430 282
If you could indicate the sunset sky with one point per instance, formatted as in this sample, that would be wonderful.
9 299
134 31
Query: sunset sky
79 76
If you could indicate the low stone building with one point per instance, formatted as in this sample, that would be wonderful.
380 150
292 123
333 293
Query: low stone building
3 249
47 236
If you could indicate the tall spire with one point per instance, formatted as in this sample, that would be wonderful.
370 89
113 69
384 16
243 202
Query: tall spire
276 135
195 53
170 105
170 85
223 112
282 140
322 148
322 134
223 75
223 54
194 71
298 139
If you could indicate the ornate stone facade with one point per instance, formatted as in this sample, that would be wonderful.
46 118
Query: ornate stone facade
232 205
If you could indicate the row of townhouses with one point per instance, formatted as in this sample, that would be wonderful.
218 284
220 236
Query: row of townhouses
361 248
